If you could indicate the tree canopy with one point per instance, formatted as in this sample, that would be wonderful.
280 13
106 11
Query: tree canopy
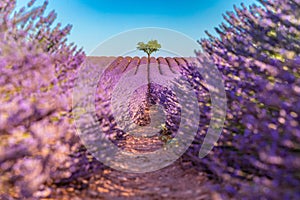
149 48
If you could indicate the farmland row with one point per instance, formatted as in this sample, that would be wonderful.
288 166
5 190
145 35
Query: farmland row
116 67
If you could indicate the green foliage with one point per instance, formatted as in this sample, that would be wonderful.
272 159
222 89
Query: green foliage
150 47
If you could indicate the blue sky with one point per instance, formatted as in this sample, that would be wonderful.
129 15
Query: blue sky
94 21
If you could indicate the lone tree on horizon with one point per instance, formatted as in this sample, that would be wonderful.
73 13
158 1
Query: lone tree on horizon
149 48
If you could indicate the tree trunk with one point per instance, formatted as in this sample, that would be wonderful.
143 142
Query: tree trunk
148 70
144 118
147 109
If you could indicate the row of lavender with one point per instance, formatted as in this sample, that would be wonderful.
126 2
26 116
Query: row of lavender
37 68
258 52
158 95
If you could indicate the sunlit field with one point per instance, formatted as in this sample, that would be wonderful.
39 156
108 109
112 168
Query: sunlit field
257 156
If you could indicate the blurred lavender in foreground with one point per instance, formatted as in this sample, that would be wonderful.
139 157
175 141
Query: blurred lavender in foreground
37 68
258 52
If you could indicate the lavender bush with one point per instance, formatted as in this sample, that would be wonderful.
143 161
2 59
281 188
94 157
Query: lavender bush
37 68
258 52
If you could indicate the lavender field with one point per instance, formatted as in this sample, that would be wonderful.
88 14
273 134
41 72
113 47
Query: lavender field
257 52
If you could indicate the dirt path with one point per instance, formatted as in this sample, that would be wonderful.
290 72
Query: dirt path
92 180
180 180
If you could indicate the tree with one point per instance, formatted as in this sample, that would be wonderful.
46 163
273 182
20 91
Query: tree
149 48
